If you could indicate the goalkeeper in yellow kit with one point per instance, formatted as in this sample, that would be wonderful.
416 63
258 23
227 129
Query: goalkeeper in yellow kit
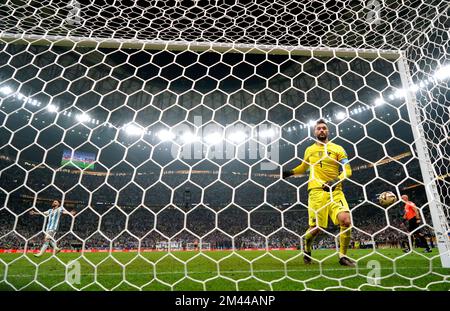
328 167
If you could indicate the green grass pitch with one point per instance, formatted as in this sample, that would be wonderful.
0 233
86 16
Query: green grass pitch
224 270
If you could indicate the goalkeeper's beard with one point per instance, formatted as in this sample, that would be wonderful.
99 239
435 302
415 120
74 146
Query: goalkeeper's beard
322 138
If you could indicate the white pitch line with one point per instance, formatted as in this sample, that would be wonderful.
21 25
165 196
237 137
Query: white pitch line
222 272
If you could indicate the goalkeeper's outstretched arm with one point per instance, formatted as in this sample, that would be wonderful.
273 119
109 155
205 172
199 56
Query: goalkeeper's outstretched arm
299 170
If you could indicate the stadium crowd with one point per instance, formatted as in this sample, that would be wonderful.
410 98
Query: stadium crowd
114 210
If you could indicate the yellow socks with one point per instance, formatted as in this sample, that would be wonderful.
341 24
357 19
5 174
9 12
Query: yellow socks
309 238
344 240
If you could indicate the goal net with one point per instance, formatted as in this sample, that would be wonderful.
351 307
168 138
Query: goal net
166 126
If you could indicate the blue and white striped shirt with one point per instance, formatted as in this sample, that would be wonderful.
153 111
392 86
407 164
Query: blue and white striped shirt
54 216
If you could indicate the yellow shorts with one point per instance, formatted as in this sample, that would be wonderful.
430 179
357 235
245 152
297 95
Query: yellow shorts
321 205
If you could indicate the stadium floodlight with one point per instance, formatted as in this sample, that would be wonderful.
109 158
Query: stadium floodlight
189 137
165 135
237 137
6 90
213 138
442 73
341 115
379 102
52 108
133 130
82 117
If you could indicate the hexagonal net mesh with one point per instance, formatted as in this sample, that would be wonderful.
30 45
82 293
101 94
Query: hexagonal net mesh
163 129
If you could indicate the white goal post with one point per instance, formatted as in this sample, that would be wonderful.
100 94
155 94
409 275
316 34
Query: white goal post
440 221
110 43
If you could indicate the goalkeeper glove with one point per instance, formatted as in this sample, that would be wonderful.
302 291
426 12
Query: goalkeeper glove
287 174
331 185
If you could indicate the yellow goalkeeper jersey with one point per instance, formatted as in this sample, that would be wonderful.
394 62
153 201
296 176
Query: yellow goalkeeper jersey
325 163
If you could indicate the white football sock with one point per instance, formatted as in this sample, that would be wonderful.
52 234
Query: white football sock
43 248
53 245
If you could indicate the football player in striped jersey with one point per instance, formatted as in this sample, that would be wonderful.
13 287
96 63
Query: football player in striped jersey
53 216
